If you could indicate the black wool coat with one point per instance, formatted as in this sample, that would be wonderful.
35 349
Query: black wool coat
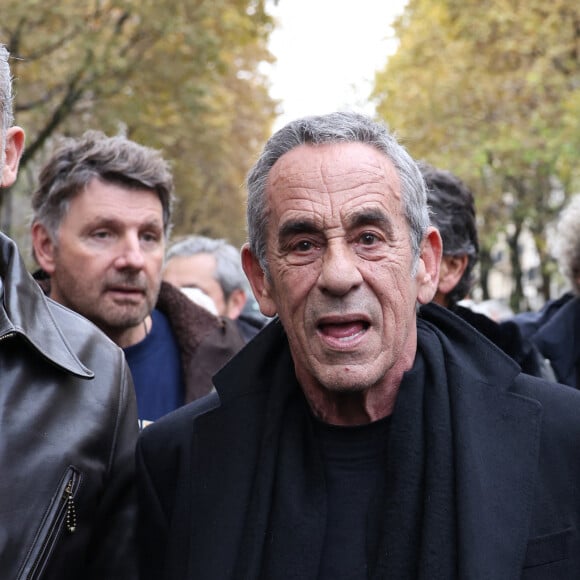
517 468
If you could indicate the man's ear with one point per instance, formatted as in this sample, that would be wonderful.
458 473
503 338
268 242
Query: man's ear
452 268
12 152
259 282
429 263
43 247
235 303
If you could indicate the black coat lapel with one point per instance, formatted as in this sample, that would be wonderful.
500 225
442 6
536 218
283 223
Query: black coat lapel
496 436
224 457
231 453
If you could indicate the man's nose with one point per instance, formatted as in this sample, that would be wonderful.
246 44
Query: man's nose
339 273
130 253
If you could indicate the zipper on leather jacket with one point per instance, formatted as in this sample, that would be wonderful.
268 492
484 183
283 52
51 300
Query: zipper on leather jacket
70 509
61 519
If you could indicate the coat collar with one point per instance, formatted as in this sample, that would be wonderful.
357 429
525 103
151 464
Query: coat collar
27 313
251 368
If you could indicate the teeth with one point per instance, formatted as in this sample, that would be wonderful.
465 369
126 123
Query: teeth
350 337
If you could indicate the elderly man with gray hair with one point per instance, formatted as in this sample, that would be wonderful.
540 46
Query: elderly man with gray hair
359 435
213 267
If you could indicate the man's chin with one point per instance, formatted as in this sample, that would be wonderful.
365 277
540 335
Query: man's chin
124 320
346 380
342 388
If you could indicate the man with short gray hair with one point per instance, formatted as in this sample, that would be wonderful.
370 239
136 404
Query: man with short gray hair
365 433
214 267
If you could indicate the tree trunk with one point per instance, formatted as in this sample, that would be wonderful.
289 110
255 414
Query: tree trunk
485 265
517 295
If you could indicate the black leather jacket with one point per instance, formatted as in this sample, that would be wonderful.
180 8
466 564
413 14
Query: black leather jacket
68 427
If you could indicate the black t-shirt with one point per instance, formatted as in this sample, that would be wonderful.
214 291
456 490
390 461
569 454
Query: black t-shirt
355 464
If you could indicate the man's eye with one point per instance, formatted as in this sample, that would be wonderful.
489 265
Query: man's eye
368 239
150 237
101 234
303 246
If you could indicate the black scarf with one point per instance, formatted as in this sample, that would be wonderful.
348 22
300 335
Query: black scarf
416 535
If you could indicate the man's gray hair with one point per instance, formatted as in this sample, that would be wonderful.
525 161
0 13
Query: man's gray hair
229 273
340 127
117 160
567 243
6 113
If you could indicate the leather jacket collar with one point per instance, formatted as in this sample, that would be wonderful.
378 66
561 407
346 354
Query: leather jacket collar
27 312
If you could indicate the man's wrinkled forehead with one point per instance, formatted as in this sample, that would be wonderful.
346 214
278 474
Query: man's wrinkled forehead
334 167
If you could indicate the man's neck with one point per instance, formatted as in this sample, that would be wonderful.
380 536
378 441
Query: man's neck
352 408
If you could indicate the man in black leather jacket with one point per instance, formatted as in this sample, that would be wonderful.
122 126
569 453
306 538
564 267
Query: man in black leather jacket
68 424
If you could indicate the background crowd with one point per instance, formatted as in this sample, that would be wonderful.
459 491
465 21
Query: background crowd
317 402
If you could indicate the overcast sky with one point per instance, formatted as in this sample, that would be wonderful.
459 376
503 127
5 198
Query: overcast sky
327 53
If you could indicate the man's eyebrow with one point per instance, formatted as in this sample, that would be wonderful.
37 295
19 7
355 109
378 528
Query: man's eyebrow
293 227
370 217
106 221
152 223
102 221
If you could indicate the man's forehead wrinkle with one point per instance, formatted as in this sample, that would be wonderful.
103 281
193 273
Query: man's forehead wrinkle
348 174
319 169
297 177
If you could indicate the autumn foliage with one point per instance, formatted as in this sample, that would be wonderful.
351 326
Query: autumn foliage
179 75
490 89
